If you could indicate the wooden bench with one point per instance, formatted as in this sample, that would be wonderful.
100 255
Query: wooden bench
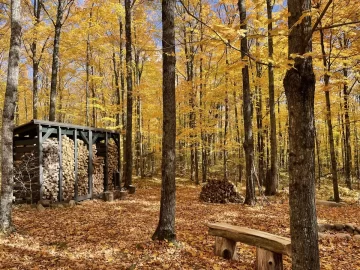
270 247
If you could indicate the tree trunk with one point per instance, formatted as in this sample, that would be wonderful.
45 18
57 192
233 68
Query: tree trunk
299 83
88 55
259 123
36 59
250 198
347 165
129 108
272 182
166 226
7 173
327 64
55 60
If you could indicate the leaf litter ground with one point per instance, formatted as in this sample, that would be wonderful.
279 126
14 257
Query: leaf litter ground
117 235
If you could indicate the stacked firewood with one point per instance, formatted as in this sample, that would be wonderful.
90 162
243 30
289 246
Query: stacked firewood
98 172
216 191
51 169
113 160
83 180
68 164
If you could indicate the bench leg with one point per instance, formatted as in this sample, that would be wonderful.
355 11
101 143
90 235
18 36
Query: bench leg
268 260
225 248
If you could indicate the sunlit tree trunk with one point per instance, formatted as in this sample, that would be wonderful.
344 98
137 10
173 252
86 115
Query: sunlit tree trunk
7 173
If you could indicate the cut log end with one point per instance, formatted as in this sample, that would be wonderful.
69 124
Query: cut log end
225 248
268 260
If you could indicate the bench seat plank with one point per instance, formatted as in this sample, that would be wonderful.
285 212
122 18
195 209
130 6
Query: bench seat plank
268 241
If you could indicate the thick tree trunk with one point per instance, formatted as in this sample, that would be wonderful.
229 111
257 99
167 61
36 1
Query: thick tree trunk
129 108
299 83
7 173
166 226
250 198
272 182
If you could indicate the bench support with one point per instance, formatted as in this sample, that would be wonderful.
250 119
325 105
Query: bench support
268 260
225 248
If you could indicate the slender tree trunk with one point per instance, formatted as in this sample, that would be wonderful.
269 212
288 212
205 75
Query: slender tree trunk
250 198
122 83
329 121
348 163
7 171
166 226
36 59
259 123
55 60
318 157
299 83
129 108
88 56
238 139
272 183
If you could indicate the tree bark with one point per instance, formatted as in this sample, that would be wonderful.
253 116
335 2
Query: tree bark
272 182
55 59
327 64
250 198
129 108
166 226
36 59
7 173
299 83
348 163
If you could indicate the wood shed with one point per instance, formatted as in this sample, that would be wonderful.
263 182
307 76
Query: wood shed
59 161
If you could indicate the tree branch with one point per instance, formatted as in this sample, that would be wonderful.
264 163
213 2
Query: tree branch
318 21
335 25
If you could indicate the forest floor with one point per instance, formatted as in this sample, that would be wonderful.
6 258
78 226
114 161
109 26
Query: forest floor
117 235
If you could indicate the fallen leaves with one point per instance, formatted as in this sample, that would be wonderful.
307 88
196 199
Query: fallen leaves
98 235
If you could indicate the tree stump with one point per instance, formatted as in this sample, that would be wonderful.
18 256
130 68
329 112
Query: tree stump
268 260
225 248
108 196
131 189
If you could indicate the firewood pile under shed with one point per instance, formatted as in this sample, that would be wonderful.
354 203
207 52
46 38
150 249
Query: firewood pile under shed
61 162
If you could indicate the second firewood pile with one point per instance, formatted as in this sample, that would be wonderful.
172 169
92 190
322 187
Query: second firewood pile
216 191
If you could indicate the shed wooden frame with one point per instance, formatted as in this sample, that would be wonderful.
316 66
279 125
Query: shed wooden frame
29 137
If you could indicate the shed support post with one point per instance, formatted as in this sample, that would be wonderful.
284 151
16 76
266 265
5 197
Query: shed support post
76 164
90 166
106 171
60 195
40 149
